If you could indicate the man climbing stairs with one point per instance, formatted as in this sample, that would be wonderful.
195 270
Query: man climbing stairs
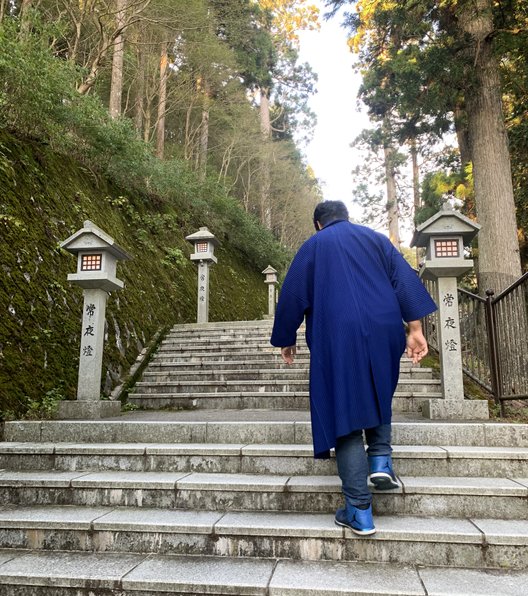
211 488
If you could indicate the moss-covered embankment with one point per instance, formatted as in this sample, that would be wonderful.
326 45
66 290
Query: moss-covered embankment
46 197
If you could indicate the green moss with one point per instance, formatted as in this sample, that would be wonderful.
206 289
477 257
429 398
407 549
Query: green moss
45 198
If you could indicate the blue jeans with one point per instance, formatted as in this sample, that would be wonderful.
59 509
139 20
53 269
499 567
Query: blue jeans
352 463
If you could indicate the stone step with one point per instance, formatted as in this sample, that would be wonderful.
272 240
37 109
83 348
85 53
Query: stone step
249 427
270 364
270 354
194 347
240 339
166 372
275 364
460 542
227 327
37 573
412 387
197 327
500 498
278 400
409 460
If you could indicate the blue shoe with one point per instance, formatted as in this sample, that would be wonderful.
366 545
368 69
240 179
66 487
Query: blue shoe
358 520
380 472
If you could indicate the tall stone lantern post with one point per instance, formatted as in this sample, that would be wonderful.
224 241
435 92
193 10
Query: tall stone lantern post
97 257
204 245
444 236
271 281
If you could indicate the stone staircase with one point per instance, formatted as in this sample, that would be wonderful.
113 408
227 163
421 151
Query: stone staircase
235 367
221 494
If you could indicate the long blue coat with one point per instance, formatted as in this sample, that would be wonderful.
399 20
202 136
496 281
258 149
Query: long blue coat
355 290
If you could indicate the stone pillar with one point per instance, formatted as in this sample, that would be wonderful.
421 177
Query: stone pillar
452 406
271 300
449 344
270 280
92 341
203 292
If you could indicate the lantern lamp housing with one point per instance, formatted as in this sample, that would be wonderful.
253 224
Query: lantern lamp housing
204 245
444 236
271 275
97 257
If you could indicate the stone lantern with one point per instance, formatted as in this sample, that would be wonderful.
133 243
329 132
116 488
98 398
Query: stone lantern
444 236
97 257
204 246
271 281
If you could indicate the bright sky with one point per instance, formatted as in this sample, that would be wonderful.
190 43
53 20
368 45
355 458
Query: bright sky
338 118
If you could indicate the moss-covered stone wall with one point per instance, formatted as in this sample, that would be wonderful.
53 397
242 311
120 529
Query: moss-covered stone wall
44 198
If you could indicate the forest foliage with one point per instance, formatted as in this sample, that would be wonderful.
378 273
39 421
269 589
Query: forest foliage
444 84
147 90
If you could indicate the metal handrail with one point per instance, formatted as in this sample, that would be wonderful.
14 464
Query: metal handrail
468 293
510 288
487 323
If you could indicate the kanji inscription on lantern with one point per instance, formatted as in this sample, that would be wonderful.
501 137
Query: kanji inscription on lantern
448 299
450 323
451 345
87 351
90 310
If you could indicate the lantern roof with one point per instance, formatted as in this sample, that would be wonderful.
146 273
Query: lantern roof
91 237
444 223
201 235
269 269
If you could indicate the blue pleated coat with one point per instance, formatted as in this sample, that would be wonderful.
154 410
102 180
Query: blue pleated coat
355 290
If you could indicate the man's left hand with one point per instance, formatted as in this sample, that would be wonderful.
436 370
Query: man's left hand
288 354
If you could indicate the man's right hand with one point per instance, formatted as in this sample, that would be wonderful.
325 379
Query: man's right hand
416 342
288 354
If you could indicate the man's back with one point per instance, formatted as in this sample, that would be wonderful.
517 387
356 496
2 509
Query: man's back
354 289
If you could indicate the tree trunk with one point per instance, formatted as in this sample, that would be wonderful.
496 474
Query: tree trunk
140 89
25 6
116 85
148 119
415 177
3 7
499 259
417 203
204 140
162 103
392 196
89 82
265 177
461 129
265 120
188 147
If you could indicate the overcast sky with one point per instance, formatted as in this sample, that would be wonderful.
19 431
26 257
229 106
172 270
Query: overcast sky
338 119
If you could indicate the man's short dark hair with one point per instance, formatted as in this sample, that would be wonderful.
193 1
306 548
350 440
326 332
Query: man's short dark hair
328 211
